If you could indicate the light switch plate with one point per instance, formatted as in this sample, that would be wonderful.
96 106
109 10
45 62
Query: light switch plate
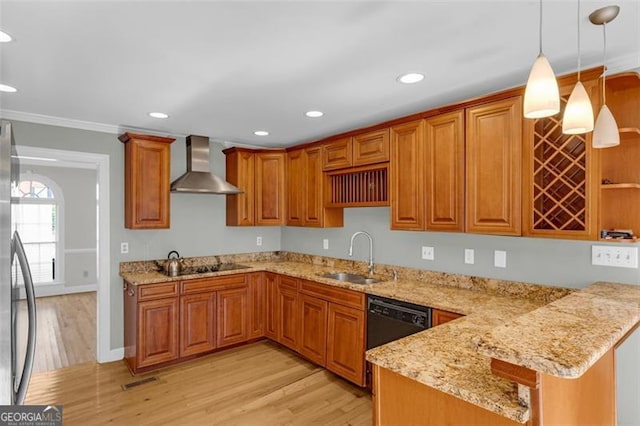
428 253
616 256
500 258
469 256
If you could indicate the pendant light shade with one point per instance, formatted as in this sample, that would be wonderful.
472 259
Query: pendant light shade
541 97
605 132
578 114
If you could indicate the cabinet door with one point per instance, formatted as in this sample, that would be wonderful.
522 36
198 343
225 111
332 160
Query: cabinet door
407 176
445 172
345 343
257 305
313 325
337 154
439 317
241 172
158 331
272 313
296 187
288 312
314 213
232 316
371 147
270 198
493 151
147 169
197 323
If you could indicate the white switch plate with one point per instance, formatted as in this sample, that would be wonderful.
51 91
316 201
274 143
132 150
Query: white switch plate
258 241
124 248
500 258
469 256
428 253
325 244
616 256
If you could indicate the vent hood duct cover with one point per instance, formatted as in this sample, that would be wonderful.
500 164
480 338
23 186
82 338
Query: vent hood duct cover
198 179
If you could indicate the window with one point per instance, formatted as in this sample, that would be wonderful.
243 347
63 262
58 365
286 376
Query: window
36 204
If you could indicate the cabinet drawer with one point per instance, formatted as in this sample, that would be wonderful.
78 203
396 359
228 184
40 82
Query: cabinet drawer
212 284
337 154
289 282
333 294
371 148
157 291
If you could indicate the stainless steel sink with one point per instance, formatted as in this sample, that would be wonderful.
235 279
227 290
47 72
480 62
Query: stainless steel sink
351 278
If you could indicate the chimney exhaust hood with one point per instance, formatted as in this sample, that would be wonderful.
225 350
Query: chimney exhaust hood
198 179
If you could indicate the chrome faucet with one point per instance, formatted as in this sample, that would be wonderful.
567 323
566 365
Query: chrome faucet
366 234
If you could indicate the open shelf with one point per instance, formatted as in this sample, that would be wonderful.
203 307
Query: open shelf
629 132
621 186
619 240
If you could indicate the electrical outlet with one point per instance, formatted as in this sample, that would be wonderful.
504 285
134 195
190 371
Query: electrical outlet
500 258
325 244
124 248
428 253
258 241
615 256
469 256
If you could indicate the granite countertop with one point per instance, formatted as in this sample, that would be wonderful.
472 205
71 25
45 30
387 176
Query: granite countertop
562 338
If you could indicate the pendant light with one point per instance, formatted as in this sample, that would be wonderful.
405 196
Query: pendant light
541 96
578 114
605 132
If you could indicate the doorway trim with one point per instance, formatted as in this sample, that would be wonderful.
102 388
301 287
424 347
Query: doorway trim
100 163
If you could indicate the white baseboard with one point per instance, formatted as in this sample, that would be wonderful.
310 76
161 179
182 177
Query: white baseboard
59 289
113 355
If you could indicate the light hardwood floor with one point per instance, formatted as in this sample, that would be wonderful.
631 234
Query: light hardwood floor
258 384
66 330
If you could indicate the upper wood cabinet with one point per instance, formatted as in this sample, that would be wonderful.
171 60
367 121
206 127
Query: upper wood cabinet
305 189
407 176
444 188
360 150
147 169
493 167
260 174
620 198
559 175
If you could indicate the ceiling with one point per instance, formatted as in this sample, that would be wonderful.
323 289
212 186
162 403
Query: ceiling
225 69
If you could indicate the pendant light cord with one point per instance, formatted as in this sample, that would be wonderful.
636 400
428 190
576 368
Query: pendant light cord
540 28
579 40
604 64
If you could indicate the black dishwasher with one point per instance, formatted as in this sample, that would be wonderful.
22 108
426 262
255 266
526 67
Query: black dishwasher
389 320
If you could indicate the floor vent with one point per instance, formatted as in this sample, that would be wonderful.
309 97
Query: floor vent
139 383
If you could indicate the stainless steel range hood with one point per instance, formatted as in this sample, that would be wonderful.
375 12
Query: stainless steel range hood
198 178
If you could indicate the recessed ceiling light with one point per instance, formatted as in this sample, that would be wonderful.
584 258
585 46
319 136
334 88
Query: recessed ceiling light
158 115
8 89
314 114
4 37
410 78
261 133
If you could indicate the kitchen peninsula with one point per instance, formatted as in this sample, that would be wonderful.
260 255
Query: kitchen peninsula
489 364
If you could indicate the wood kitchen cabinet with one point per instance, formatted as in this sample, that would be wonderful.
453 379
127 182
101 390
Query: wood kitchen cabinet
493 167
272 313
407 176
439 317
288 312
346 342
197 323
313 325
360 150
305 190
444 180
232 316
257 305
151 326
147 168
260 174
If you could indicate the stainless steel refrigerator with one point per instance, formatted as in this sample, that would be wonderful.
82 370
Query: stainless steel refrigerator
16 363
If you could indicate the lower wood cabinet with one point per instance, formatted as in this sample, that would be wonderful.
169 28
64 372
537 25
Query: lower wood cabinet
271 306
313 324
158 338
439 317
232 316
257 305
288 315
345 343
197 323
